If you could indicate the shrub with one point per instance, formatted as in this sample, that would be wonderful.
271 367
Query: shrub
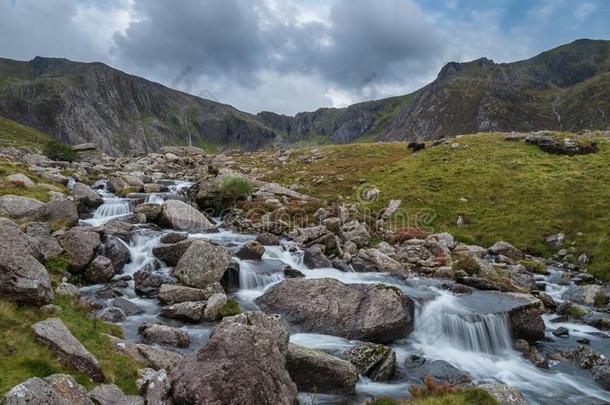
235 188
55 150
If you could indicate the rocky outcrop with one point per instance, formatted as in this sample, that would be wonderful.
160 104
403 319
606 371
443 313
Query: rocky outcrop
202 264
22 277
248 352
14 206
56 389
316 371
54 334
371 312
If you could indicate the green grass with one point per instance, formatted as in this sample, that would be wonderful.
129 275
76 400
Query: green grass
470 396
8 167
21 357
15 134
513 191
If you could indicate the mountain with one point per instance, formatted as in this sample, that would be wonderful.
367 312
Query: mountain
91 102
566 88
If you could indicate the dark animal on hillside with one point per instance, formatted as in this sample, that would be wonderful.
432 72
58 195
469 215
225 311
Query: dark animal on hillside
416 146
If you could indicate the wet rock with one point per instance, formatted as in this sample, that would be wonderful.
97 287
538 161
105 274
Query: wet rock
110 394
128 307
174 237
120 228
172 293
251 251
374 260
419 369
537 358
377 362
85 198
244 351
597 363
289 272
184 311
587 295
171 254
81 246
100 270
504 394
182 217
22 277
112 314
355 232
315 371
114 249
314 258
150 210
268 239
202 264
507 250
14 206
214 305
355 311
147 283
163 335
54 334
561 332
230 278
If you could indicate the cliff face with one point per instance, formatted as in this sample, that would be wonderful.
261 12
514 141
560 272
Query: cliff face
567 88
91 102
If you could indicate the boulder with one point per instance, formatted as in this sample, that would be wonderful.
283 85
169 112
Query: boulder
22 277
115 249
355 232
81 246
174 237
128 307
47 245
112 314
507 250
504 394
182 217
202 264
85 198
587 295
66 386
110 394
419 369
190 311
319 372
268 239
214 305
53 333
150 210
172 293
251 251
370 312
20 180
118 186
314 258
245 352
171 254
147 283
374 260
60 211
154 386
100 270
163 335
34 391
14 206
374 361
157 357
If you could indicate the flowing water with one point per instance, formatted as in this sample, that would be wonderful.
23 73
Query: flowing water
447 327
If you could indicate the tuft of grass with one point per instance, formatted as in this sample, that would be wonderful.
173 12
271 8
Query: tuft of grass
468 396
231 308
235 188
21 357
534 266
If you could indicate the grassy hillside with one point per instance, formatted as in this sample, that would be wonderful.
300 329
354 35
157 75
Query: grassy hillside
15 134
503 190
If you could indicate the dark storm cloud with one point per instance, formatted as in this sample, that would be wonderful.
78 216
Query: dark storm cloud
387 40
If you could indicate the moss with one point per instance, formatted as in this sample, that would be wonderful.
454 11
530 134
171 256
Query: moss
576 311
534 266
230 308
601 299
21 357
468 264
57 267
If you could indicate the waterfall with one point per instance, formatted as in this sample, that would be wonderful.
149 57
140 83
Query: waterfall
154 198
250 279
487 333
112 208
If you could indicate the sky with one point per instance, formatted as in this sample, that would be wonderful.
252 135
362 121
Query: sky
289 56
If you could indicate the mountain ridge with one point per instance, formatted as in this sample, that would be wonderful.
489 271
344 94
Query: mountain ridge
565 88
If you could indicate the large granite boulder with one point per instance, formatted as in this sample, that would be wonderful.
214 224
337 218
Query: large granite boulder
316 371
243 363
85 198
182 217
172 293
589 294
163 335
60 211
370 312
56 389
53 333
22 277
15 206
100 270
171 254
81 246
203 264
116 250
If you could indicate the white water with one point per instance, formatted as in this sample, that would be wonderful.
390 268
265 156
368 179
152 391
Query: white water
113 208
